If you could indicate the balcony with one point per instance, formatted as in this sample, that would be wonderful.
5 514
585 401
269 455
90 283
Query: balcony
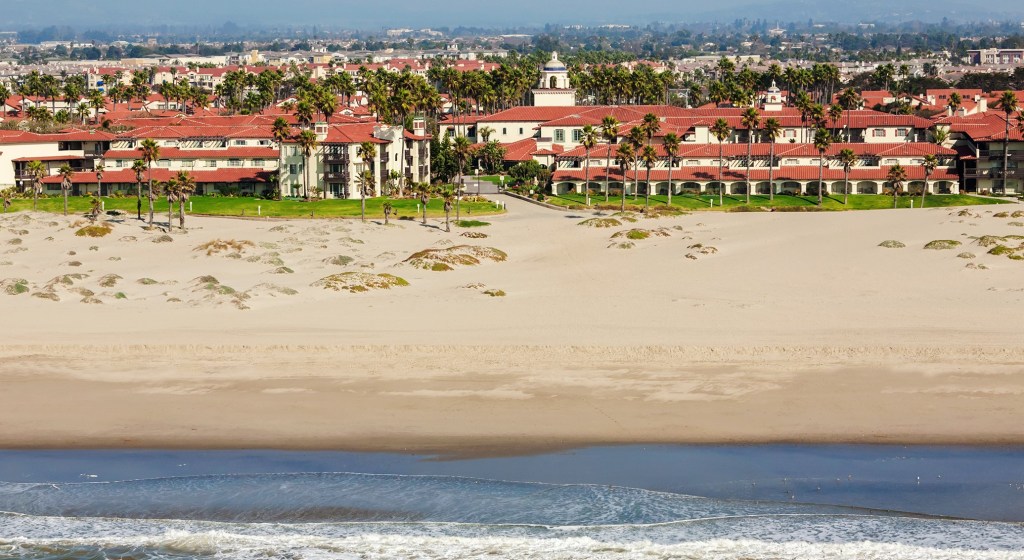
1014 155
336 176
336 158
992 173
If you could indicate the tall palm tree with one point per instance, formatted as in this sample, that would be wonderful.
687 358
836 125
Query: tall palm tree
955 101
36 170
388 209
751 120
771 130
448 194
367 152
637 137
99 179
721 131
649 157
822 142
896 176
307 144
171 192
929 164
280 131
1008 102
485 133
65 183
139 167
186 187
462 149
588 140
847 159
150 154
624 156
610 132
671 146
424 190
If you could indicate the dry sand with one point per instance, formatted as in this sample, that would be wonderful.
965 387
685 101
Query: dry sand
798 327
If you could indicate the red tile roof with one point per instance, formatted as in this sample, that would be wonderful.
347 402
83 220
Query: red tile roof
230 175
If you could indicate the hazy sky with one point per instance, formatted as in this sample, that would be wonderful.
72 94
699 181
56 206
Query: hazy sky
375 14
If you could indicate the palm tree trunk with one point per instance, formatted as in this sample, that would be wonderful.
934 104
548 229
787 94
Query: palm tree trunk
150 198
668 202
586 180
362 204
749 139
925 190
721 184
170 215
65 202
138 200
846 190
608 173
1006 153
447 214
636 174
622 202
821 175
647 191
771 171
181 213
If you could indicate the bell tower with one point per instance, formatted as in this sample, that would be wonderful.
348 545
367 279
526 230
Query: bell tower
554 89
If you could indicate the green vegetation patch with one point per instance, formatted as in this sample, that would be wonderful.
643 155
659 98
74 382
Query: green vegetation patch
892 244
358 282
942 244
471 223
451 257
120 295
14 286
339 260
47 294
282 270
147 281
65 280
474 234
601 223
965 255
95 230
495 293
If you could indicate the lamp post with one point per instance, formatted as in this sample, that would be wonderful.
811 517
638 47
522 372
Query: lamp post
478 181
502 175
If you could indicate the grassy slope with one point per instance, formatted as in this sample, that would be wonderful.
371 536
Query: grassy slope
831 202
219 206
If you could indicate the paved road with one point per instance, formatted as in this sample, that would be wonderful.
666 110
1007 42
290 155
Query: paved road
483 187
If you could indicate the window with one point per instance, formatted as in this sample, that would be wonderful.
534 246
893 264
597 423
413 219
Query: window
891 162
293 169
234 162
188 163
211 163
902 132
815 161
264 142
577 135
692 162
878 132
789 133
520 130
504 131
163 163
559 135
791 162
258 163
241 142
119 163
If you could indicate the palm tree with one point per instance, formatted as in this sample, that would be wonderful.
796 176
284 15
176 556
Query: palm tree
448 194
367 152
671 146
99 179
847 159
1008 101
649 156
610 132
139 167
186 186
929 164
771 130
65 183
7 195
387 208
624 156
462 149
721 131
588 140
150 154
637 137
307 143
36 170
751 120
485 133
955 101
896 176
424 190
822 142
171 191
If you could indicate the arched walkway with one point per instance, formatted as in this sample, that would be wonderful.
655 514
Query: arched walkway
915 187
791 188
764 187
690 187
739 188
942 187
867 187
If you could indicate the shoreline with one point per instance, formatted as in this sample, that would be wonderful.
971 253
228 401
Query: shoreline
487 401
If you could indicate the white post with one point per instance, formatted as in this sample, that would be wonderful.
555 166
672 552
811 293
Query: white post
103 206
190 206
712 203
911 204
259 210
417 207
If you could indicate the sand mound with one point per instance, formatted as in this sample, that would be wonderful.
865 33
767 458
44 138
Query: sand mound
210 290
95 230
339 260
273 258
892 244
474 235
110 280
269 290
356 282
638 234
600 223
942 244
440 260
218 246
163 239
282 270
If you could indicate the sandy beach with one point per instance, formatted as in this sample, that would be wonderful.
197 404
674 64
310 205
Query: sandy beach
716 327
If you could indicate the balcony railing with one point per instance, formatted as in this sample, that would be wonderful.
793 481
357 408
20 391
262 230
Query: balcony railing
992 173
336 176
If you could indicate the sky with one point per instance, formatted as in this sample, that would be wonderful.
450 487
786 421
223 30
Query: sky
377 14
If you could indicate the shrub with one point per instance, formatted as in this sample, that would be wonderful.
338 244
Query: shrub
97 230
601 222
459 255
495 293
892 244
942 244
357 282
471 223
221 245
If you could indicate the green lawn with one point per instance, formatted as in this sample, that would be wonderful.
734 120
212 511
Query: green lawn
220 206
831 202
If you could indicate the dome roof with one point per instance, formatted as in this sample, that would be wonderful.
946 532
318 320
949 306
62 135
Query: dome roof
554 65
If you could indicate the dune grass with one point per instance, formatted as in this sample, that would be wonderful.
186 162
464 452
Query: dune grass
781 201
247 206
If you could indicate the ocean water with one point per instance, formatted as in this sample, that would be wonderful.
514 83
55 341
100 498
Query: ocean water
344 515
